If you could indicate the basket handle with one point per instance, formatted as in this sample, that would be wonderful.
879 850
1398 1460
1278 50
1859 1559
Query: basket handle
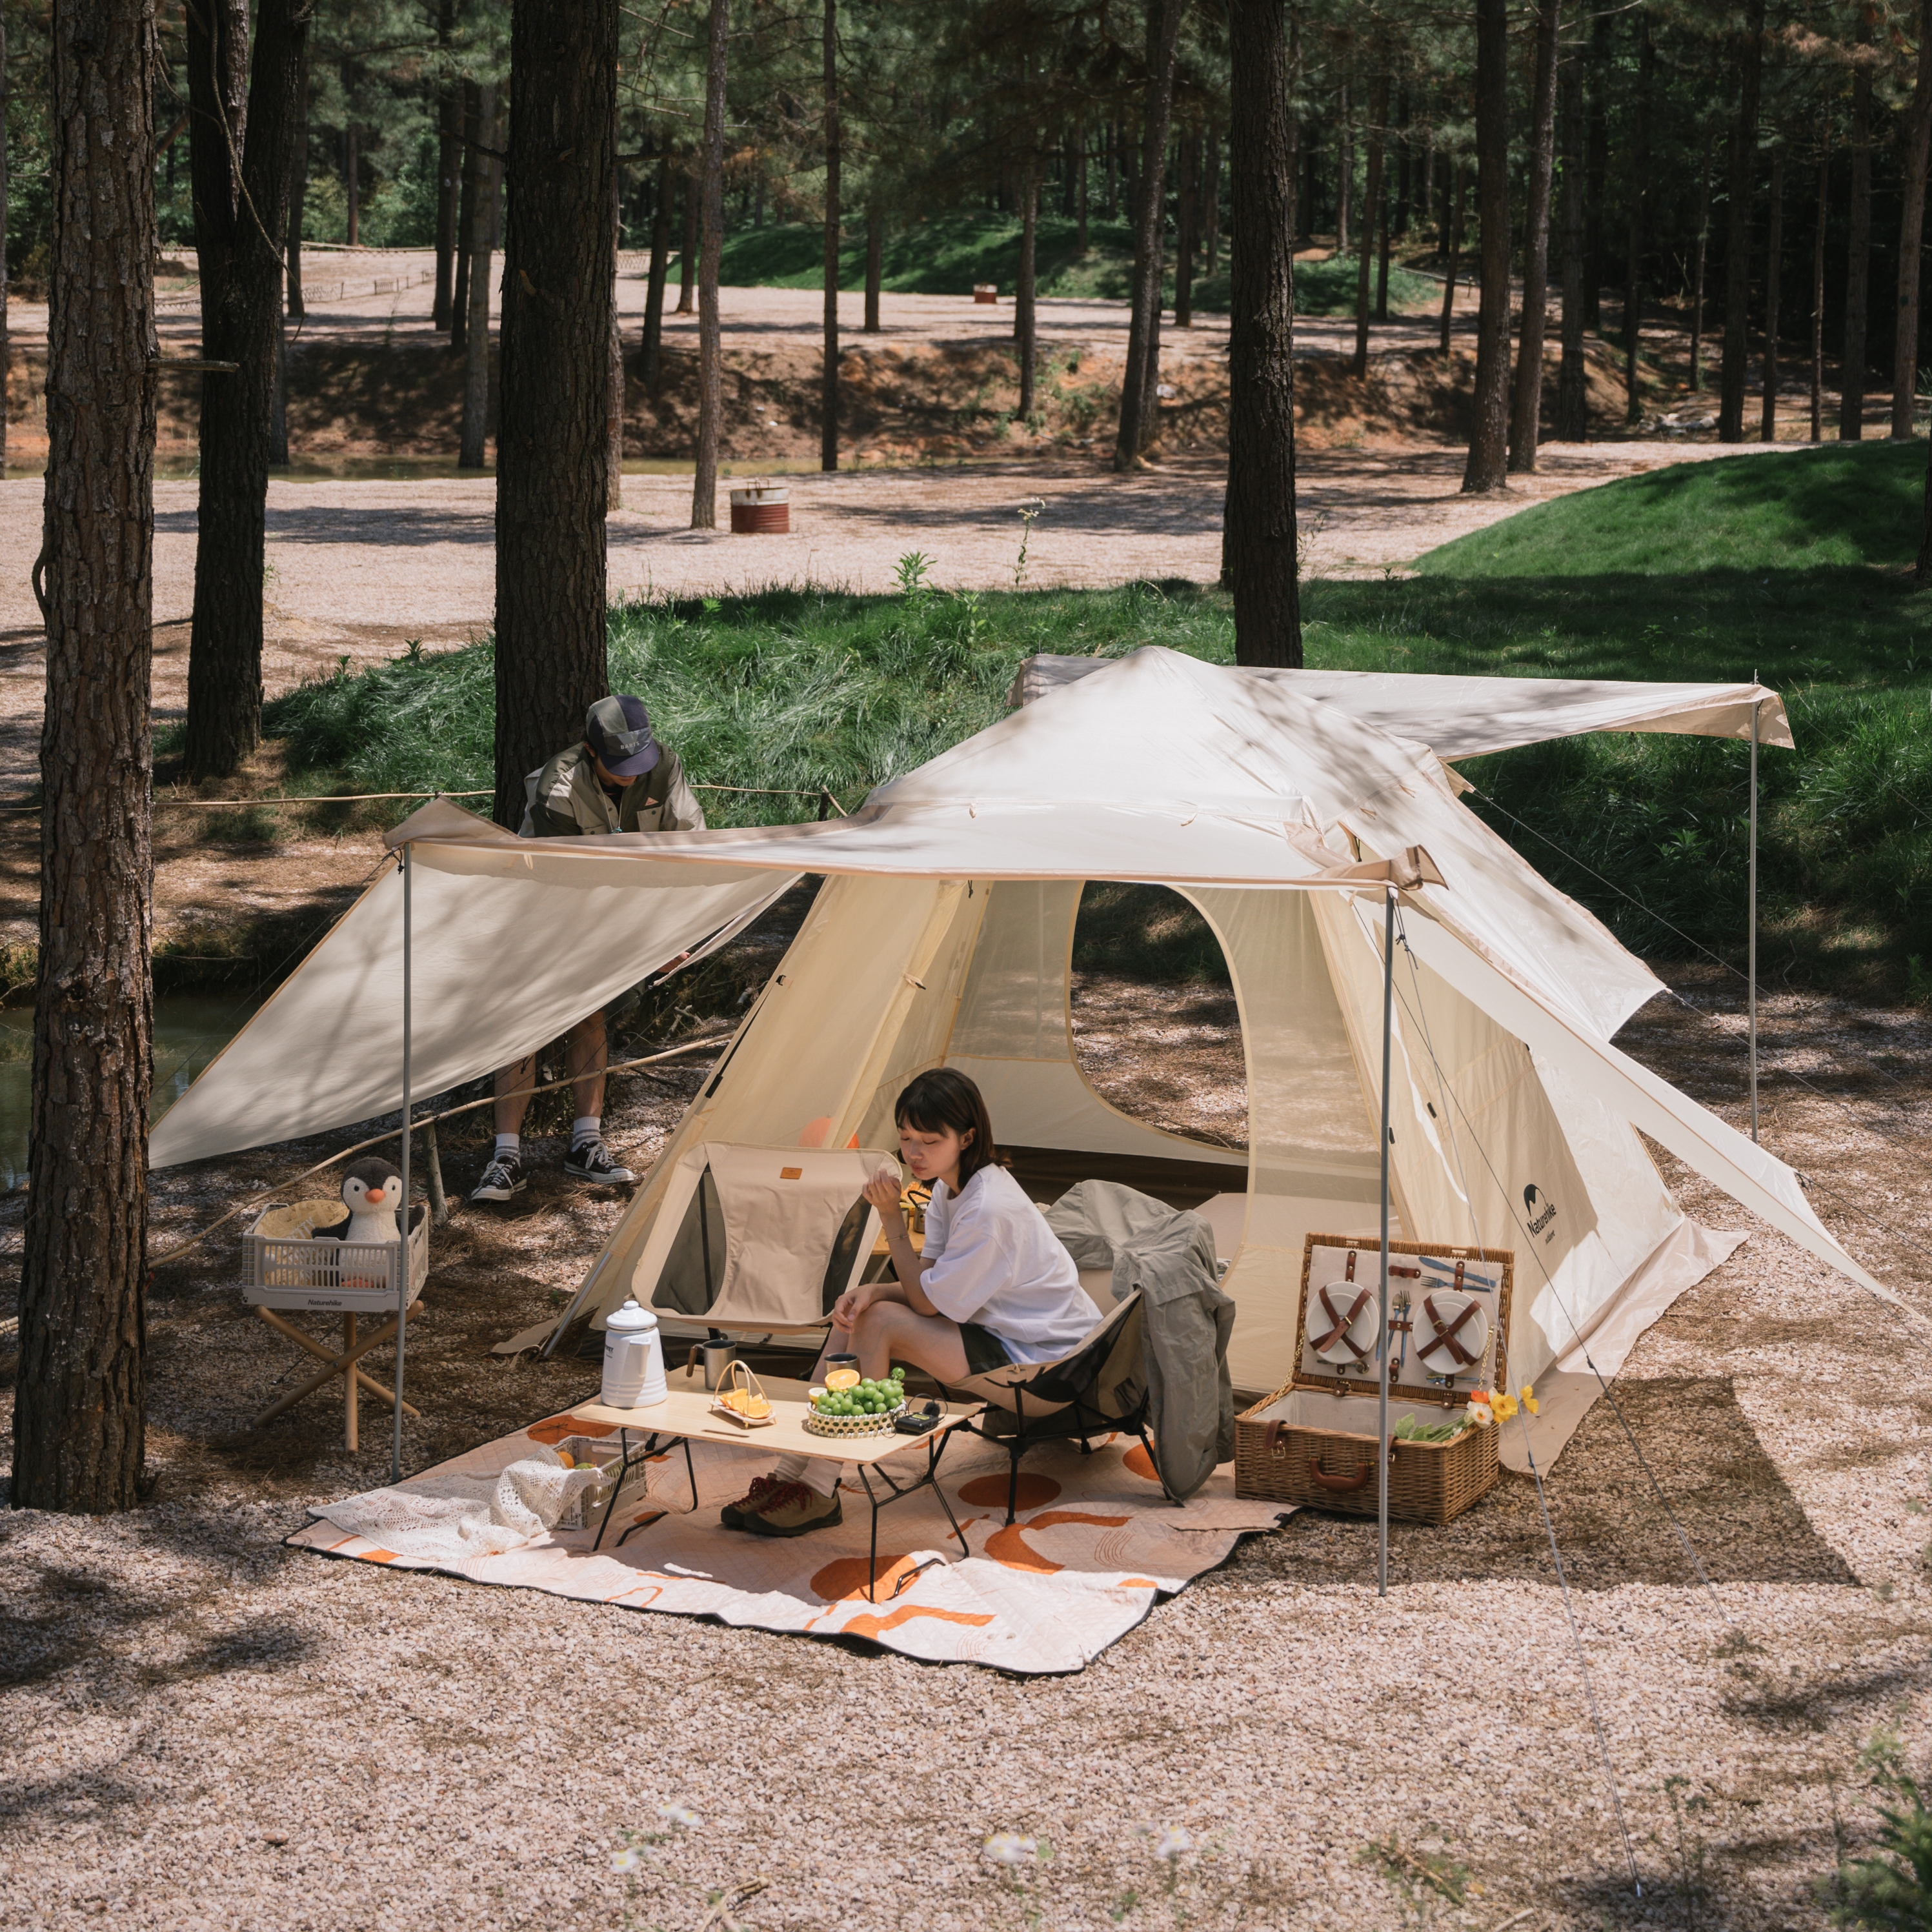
1358 1480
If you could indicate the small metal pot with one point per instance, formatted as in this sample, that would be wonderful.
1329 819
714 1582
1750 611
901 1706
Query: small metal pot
716 1358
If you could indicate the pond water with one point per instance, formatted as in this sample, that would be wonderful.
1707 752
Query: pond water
190 1030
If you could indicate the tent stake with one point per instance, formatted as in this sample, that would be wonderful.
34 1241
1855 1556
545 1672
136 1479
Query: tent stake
403 1282
1382 1331
1751 962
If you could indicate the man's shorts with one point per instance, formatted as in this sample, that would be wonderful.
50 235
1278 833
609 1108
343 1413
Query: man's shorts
984 1350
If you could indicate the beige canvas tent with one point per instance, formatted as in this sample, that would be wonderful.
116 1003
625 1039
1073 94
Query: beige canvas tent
943 935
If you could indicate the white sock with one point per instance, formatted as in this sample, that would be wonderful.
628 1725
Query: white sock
585 1129
510 1144
819 1474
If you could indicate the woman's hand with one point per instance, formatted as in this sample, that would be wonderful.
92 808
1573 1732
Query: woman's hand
853 1303
882 1190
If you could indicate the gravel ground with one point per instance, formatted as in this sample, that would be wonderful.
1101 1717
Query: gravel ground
203 1729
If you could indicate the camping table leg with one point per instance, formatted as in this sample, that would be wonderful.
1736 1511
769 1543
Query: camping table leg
351 1384
338 1364
645 1453
934 1450
381 1390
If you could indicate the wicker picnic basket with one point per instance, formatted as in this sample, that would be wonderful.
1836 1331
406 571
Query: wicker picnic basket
1312 1441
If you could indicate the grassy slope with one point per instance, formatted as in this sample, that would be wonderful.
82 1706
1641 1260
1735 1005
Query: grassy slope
1789 564
946 254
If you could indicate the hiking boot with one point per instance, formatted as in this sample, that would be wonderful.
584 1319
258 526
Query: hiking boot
732 1515
503 1177
793 1510
591 1161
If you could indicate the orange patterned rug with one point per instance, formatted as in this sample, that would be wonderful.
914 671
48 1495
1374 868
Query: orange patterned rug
1094 1546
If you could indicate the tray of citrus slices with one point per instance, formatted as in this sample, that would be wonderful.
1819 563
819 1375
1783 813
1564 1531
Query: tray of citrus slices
851 1404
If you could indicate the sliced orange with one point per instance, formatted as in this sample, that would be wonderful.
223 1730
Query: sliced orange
842 1378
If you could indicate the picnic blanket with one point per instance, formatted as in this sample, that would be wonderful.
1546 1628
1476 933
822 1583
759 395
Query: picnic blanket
1094 1546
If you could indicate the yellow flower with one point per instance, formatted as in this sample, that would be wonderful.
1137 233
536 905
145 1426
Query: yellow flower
1529 1398
1504 1406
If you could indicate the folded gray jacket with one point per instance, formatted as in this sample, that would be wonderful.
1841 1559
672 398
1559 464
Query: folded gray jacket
1168 1255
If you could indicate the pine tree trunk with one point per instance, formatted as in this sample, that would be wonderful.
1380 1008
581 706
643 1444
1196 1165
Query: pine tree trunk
6 346
1345 170
1211 203
1573 391
448 166
1138 421
241 149
1381 212
1404 161
1735 373
552 449
828 391
1697 272
1818 284
1774 276
1260 562
1526 417
1372 205
1454 263
710 339
466 223
1189 220
1596 173
1646 70
278 400
1487 466
79 1419
1858 262
654 291
297 309
687 254
614 386
1025 312
1911 236
484 175
875 252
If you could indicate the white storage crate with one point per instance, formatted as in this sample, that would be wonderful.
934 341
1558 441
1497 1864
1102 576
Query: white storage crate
288 1267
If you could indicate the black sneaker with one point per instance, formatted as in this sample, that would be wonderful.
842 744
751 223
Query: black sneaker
592 1162
501 1178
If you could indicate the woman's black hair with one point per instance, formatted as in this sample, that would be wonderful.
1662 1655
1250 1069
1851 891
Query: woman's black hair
942 1098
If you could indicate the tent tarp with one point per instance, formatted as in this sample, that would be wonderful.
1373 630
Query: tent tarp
1466 717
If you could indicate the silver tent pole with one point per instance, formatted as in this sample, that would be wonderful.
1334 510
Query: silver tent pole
403 1284
1382 1330
1751 962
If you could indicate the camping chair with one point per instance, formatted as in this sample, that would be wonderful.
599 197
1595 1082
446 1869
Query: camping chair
759 1239
1099 1388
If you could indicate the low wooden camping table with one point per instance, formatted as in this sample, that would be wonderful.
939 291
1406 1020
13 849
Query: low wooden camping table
687 1416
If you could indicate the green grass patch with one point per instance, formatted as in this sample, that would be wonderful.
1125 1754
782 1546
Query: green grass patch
946 254
1788 564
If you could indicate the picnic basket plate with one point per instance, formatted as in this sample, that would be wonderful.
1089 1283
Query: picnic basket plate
816 1424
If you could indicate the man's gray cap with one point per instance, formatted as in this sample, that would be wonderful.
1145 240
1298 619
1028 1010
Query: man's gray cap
619 731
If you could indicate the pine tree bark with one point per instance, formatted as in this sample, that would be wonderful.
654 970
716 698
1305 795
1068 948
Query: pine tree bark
1818 232
1372 205
296 308
80 1418
1025 308
448 164
875 249
710 340
614 386
1734 373
1573 392
466 222
1700 255
1911 236
654 292
1596 172
6 346
1138 419
1526 417
687 254
1344 170
1188 239
1857 256
552 448
1773 277
1211 203
484 177
828 393
1260 562
240 152
1639 192
1487 467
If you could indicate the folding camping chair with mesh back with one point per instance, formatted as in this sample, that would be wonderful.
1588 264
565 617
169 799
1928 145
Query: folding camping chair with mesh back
1099 1388
759 1239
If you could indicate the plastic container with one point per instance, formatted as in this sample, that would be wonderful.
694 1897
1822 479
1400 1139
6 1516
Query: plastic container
288 1267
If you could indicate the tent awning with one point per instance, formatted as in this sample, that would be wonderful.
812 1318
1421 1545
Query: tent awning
1466 717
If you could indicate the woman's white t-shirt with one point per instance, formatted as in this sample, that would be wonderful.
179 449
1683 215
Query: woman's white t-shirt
991 1258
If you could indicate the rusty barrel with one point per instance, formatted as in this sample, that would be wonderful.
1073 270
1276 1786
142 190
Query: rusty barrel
764 509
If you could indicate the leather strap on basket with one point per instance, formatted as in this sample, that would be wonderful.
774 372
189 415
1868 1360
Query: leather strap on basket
1343 1323
1446 1333
1359 1480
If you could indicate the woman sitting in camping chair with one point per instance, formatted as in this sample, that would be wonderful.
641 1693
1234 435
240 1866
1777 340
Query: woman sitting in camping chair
994 1286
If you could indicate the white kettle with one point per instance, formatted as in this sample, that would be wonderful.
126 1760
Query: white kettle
634 1366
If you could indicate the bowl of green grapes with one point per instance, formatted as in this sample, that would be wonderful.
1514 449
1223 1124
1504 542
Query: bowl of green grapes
867 1407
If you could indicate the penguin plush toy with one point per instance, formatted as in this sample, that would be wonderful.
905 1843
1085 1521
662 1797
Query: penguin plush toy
372 1191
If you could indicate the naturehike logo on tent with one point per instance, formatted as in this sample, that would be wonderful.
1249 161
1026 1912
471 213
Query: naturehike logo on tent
1538 1222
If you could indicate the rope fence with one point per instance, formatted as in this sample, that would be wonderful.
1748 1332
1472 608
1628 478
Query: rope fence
823 793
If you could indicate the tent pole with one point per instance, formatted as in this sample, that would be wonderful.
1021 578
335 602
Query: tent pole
402 1279
1382 1327
1751 963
